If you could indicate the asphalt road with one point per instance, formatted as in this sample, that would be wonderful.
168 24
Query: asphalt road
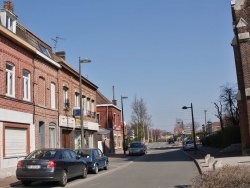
163 167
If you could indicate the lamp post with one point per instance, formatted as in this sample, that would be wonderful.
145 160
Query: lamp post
124 150
80 92
185 107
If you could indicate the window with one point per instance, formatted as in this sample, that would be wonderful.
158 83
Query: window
77 103
44 50
85 106
10 79
53 95
88 107
65 97
9 23
92 106
114 120
98 118
26 85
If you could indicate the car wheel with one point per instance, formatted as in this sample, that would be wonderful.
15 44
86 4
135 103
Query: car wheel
64 179
26 183
106 167
95 169
84 171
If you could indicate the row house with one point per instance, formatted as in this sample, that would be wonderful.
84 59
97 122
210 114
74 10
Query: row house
111 129
69 117
39 93
241 47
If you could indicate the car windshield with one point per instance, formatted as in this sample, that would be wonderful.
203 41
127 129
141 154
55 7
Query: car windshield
190 142
135 145
42 154
83 153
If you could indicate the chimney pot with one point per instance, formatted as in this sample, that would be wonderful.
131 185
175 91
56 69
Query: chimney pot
61 54
8 5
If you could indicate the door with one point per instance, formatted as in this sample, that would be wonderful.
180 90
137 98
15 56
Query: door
99 157
42 134
66 138
69 162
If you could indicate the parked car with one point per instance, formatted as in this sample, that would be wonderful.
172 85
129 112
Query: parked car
189 144
137 148
94 158
51 165
170 141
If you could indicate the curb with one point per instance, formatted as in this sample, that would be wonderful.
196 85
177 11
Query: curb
195 161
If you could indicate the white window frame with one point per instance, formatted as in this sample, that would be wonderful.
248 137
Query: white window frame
84 105
26 85
88 104
53 95
9 23
65 96
10 80
92 106
77 99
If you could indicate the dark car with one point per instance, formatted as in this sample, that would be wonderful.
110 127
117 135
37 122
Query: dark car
51 165
170 141
94 158
137 148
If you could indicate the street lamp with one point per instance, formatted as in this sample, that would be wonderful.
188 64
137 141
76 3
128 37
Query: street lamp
124 150
80 92
185 107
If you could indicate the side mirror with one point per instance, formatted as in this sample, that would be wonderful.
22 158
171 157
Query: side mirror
78 157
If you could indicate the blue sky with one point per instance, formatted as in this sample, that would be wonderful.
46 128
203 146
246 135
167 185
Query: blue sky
170 53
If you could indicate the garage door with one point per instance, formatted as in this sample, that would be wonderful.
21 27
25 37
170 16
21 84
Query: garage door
15 142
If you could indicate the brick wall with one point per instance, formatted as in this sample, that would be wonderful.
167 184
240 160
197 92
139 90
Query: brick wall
45 74
21 59
242 63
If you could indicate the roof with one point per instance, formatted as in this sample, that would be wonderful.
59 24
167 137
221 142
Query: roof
101 99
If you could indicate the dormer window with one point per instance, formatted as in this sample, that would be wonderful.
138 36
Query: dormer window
8 20
9 23
44 50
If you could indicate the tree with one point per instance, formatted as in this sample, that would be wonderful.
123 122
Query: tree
228 98
140 119
219 114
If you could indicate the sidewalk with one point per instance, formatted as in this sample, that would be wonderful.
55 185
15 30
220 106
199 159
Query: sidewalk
218 157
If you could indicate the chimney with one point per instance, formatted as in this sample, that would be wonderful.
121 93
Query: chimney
114 101
8 5
61 54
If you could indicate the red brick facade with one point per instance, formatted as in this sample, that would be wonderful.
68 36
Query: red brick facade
39 117
241 46
110 119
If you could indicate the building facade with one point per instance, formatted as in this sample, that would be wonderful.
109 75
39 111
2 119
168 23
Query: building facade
39 93
241 46
69 102
109 118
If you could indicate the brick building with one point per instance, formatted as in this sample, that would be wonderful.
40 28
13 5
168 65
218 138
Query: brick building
39 92
69 100
241 47
109 118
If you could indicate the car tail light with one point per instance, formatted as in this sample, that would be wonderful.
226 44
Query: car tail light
19 164
51 164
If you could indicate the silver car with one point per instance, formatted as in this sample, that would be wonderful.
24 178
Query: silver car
137 148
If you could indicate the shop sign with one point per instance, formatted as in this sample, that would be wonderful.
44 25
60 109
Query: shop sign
65 121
